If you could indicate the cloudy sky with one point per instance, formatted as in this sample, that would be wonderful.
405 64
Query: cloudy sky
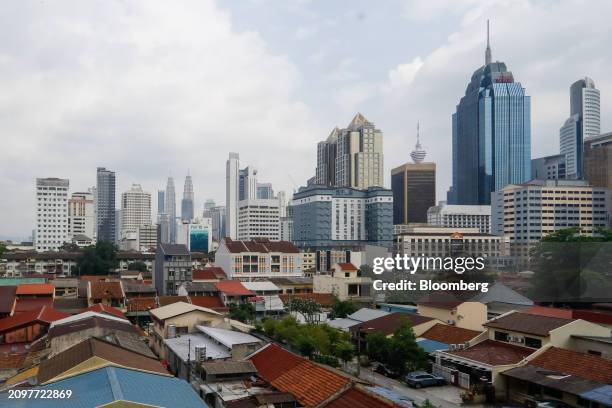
151 88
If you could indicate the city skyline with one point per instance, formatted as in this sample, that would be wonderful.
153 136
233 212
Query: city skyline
402 84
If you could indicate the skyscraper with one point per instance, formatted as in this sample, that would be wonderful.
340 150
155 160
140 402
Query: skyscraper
170 207
247 183
231 195
265 191
105 204
135 209
584 121
351 157
491 134
81 214
187 201
598 160
52 229
161 201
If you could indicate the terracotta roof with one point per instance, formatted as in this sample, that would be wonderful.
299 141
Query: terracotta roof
233 288
27 304
168 300
449 334
494 353
571 362
209 273
528 323
75 355
387 324
358 398
95 278
43 315
549 311
592 316
7 298
211 302
347 266
100 308
310 383
88 323
141 304
106 290
323 299
35 289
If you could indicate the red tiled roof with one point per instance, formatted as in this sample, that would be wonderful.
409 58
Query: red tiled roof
209 273
233 288
387 324
593 317
571 362
95 278
449 334
140 304
27 304
528 323
440 300
211 302
323 299
44 315
310 383
358 398
588 315
100 308
168 300
347 266
549 311
106 290
494 353
35 289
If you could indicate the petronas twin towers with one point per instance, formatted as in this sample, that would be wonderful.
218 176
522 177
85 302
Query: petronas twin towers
169 217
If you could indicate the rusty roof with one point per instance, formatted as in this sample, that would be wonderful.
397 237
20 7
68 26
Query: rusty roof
35 289
106 290
571 362
494 353
387 324
449 334
528 323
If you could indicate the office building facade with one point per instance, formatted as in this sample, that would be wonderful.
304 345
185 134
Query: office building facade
170 209
258 218
598 160
81 214
52 227
460 216
414 192
135 209
548 167
105 205
232 176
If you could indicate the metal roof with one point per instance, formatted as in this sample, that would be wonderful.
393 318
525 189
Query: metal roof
228 338
365 314
229 367
185 347
178 308
261 286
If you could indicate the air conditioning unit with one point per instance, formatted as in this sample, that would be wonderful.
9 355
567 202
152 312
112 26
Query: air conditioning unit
450 321
453 347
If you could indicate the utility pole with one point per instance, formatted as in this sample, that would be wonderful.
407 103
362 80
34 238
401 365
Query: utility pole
188 360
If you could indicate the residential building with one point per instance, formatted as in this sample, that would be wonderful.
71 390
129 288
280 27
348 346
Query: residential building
598 160
81 215
525 213
460 216
188 200
344 281
362 315
291 285
30 263
172 267
106 293
491 135
24 328
549 167
414 192
232 182
233 291
327 216
52 225
135 210
584 122
264 191
105 204
501 299
170 210
258 218
352 157
260 258
469 315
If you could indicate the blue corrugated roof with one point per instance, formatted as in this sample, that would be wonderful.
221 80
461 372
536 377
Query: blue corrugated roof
602 395
109 384
431 345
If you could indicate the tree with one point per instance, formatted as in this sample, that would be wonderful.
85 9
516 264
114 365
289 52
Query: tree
244 312
342 308
137 266
307 307
377 346
2 249
306 345
269 327
344 351
404 353
99 259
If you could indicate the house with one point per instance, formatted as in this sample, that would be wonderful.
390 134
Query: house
443 337
133 289
198 289
389 323
103 308
29 326
259 258
362 315
7 300
35 291
345 281
293 285
92 354
209 274
108 293
179 318
168 300
118 386
27 304
267 297
211 302
213 371
233 291
65 287
72 305
603 318
500 299
450 310
559 374
172 267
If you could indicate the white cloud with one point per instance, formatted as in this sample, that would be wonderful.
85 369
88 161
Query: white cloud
343 71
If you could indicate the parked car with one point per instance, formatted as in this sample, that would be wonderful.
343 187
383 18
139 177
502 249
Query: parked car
418 379
551 404
386 371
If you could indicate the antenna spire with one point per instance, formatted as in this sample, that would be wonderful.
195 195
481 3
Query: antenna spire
418 154
488 50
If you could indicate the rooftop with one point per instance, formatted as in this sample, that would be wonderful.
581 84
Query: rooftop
209 273
7 299
45 315
233 288
229 367
178 308
389 323
101 308
35 289
493 353
584 365
265 286
527 323
449 334
105 290
27 304
174 249
210 302
260 245
228 338
185 347
168 300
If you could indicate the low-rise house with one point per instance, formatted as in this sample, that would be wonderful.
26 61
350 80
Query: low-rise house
108 293
389 323
595 345
198 289
35 291
209 274
501 299
27 327
447 308
211 302
172 267
293 285
345 281
27 304
65 287
267 297
213 371
444 337
73 305
233 291
168 300
603 318
362 315
133 289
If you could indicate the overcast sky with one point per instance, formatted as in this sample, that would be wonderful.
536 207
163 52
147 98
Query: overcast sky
155 88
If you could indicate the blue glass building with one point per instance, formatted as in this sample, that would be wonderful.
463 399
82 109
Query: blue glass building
491 135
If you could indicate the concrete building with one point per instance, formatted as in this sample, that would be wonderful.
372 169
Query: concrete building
232 175
331 217
598 160
172 268
217 217
584 122
344 281
260 258
52 225
414 192
351 157
135 209
264 191
247 183
258 218
170 210
460 216
548 167
147 237
525 213
81 215
188 200
105 204
196 235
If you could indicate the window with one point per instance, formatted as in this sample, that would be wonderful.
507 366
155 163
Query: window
534 343
501 336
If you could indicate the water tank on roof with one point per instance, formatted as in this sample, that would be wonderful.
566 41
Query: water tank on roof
171 331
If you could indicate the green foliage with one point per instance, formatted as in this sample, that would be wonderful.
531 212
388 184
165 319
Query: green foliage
306 345
137 266
100 259
342 308
328 360
244 312
2 249
377 346
344 350
269 327
307 307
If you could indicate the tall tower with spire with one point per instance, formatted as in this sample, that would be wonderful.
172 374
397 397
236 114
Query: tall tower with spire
170 207
418 154
187 201
488 50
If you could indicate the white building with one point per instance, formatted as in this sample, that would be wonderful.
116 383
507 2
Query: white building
258 218
460 216
52 229
528 212
81 215
147 237
196 235
232 174
135 209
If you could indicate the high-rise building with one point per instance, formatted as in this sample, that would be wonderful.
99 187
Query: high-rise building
217 217
161 201
351 157
491 134
247 183
135 209
81 215
460 216
94 192
187 201
584 121
264 191
52 229
196 235
598 160
232 175
209 204
170 207
548 167
105 204
258 219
